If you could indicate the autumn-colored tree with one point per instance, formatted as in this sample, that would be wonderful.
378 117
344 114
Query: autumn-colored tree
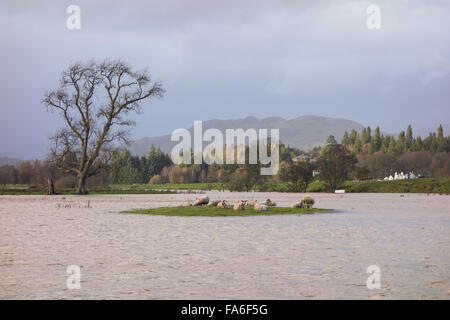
417 162
440 165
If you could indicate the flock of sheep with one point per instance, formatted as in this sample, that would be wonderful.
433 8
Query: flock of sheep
305 202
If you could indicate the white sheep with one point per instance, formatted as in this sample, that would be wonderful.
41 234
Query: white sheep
261 207
201 201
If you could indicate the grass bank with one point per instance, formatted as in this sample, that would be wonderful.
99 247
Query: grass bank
424 185
30 190
212 211
170 186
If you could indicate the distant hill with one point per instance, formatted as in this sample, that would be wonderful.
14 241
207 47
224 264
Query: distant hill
9 161
304 132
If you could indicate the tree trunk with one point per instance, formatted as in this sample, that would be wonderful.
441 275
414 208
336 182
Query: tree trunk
81 188
51 186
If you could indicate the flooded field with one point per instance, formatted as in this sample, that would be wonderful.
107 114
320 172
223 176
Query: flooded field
129 256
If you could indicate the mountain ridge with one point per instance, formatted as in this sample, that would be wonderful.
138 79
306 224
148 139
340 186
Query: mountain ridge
304 132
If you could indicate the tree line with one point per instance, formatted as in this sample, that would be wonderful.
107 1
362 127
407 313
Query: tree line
370 143
359 156
95 100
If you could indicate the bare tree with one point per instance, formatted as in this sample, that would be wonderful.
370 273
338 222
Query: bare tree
418 162
94 100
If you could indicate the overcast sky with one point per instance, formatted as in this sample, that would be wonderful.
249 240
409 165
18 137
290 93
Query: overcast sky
231 59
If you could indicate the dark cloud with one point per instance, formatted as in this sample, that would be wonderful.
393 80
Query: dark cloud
227 59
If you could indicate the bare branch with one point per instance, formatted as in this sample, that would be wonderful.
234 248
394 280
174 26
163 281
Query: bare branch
94 99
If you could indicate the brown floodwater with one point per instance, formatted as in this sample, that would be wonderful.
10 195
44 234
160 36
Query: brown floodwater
127 256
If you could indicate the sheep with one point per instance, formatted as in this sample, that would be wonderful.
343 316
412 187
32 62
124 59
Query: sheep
239 206
251 203
222 205
201 201
269 203
297 204
307 201
261 207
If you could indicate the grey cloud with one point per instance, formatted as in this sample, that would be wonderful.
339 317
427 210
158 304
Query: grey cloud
227 59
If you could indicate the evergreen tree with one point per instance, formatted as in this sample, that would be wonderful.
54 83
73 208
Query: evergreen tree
401 143
124 168
345 139
427 142
353 135
375 143
357 148
366 135
418 144
385 143
392 146
433 144
331 140
145 174
409 139
156 161
440 140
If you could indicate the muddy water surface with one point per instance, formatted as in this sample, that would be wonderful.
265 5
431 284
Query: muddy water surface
316 256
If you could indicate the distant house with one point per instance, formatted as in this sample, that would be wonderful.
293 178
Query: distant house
401 176
302 157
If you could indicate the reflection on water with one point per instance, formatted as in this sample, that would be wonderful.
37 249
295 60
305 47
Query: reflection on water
264 257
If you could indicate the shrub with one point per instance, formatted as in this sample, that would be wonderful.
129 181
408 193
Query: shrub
316 186
156 179
66 182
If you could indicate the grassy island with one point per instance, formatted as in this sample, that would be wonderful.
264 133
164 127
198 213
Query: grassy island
212 211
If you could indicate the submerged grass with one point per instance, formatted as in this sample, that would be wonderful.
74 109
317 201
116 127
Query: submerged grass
212 211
